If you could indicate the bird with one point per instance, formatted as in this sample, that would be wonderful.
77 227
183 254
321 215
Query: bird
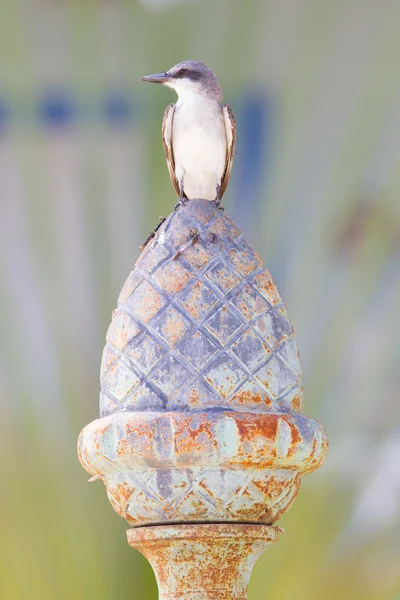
198 132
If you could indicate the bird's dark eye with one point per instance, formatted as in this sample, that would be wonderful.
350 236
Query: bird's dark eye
183 73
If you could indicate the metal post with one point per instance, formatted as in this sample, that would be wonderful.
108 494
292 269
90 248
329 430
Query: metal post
203 561
201 438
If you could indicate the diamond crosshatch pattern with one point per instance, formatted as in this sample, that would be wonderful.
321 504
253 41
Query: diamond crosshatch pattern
223 324
201 398
198 349
200 322
198 299
203 492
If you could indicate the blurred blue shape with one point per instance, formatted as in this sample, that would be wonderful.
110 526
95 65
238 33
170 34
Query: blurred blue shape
118 109
56 109
4 115
253 122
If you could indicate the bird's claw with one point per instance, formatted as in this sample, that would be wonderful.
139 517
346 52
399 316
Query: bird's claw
181 202
217 200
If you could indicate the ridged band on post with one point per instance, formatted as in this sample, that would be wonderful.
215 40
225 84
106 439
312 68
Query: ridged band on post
201 400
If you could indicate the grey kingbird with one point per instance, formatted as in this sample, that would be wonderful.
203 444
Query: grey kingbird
198 132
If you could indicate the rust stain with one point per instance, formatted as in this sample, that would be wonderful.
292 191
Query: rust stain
191 464
257 426
266 285
296 438
124 448
244 309
140 428
211 561
122 329
146 301
194 397
223 278
173 329
190 437
196 256
247 397
296 403
124 490
172 277
313 449
154 302
198 301
241 261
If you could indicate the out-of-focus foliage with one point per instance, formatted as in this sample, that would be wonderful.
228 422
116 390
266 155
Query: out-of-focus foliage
316 91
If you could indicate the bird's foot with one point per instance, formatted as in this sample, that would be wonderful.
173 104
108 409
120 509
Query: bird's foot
181 202
218 205
218 200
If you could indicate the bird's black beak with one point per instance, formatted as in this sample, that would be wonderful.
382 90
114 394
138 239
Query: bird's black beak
157 78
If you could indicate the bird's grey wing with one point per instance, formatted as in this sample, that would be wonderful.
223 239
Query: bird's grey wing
167 142
230 127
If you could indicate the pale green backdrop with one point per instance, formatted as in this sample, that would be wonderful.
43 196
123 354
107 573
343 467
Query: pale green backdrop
315 86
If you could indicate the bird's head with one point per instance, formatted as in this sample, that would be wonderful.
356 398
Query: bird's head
189 78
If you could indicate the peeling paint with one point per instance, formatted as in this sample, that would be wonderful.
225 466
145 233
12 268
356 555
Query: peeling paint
201 384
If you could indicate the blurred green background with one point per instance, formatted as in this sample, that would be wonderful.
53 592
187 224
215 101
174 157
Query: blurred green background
315 86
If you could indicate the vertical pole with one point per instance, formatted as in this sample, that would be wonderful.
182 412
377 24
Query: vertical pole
202 561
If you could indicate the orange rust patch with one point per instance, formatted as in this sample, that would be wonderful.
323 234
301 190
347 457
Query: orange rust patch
211 563
124 448
244 309
241 261
196 255
102 430
249 397
223 278
172 326
140 428
296 438
259 425
296 403
199 300
266 285
121 330
130 519
313 449
145 301
194 397
124 490
109 358
189 439
172 277
312 459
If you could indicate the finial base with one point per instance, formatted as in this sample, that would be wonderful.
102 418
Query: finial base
202 561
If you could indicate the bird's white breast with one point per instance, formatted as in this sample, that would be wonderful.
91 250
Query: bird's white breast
199 145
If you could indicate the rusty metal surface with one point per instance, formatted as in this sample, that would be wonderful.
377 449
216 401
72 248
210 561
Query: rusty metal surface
201 399
200 323
211 465
202 562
